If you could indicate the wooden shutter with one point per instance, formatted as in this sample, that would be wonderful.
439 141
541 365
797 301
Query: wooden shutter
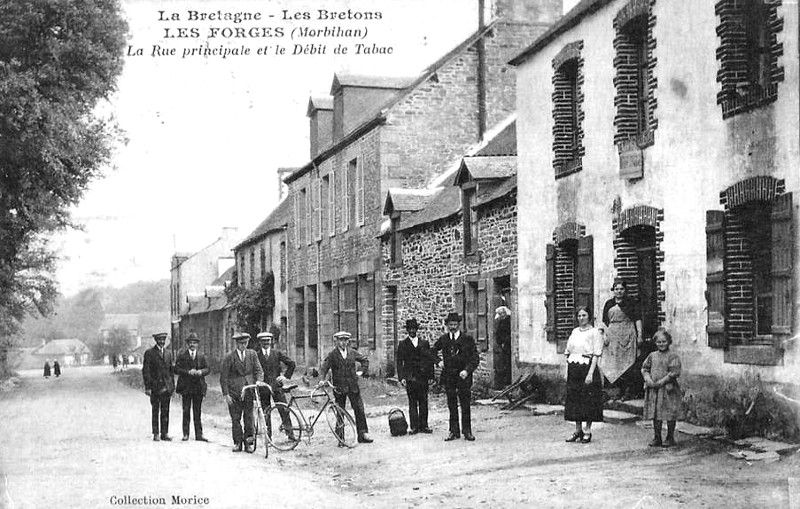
332 204
550 292
458 298
345 199
782 246
296 220
483 321
318 203
584 274
359 194
715 279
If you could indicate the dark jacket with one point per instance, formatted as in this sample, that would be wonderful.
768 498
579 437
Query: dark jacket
272 365
628 306
345 379
415 364
157 371
188 384
457 355
235 374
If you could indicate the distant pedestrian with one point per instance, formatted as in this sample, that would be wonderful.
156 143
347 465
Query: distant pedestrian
47 368
239 368
459 360
114 362
125 362
584 400
662 395
502 337
192 368
157 372
56 369
415 361
341 361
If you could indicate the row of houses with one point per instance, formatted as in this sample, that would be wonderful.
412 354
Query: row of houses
538 160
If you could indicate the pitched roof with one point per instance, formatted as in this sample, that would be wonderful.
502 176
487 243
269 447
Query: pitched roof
364 81
407 200
380 117
275 221
503 143
490 191
319 103
583 9
486 168
215 298
445 203
63 347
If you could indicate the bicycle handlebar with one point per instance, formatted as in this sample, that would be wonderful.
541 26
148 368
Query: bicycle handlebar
253 386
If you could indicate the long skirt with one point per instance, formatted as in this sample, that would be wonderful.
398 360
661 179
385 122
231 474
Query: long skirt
583 402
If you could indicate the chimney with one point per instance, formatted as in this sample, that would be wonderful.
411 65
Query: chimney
320 122
356 99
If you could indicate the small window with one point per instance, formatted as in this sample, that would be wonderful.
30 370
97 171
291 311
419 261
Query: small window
470 224
396 242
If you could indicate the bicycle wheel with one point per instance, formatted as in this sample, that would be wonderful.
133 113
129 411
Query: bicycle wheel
284 427
342 425
260 430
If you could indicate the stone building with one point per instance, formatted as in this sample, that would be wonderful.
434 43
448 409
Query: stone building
190 273
670 160
388 133
454 247
212 318
261 257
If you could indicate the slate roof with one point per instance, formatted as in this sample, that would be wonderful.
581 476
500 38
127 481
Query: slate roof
491 167
489 192
407 200
319 103
445 203
215 298
275 221
502 144
366 81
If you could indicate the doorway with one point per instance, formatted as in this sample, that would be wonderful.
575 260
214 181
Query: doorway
501 332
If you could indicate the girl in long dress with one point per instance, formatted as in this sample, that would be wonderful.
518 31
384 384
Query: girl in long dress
662 396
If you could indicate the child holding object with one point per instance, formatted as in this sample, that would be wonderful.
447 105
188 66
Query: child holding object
662 397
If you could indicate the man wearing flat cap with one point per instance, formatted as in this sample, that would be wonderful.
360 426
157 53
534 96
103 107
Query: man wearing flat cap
192 368
459 359
271 359
157 368
341 362
239 368
415 361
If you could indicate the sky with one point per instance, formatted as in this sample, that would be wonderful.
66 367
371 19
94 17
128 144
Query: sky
206 134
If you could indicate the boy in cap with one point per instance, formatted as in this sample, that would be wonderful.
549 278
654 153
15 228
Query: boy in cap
239 368
271 359
341 361
459 359
415 362
158 384
192 369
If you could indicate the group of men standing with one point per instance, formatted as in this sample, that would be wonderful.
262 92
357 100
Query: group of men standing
454 352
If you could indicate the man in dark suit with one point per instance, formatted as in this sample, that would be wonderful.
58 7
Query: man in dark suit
459 359
415 362
341 362
239 368
271 359
192 368
159 384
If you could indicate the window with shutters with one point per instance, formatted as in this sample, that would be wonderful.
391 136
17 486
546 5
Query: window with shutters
470 219
332 204
348 195
635 81
366 310
348 308
360 207
302 218
749 289
568 147
297 220
748 54
318 224
569 284
325 205
308 213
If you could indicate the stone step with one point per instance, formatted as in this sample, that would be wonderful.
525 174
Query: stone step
617 417
542 409
763 445
632 406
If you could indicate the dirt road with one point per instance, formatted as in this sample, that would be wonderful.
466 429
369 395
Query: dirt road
83 441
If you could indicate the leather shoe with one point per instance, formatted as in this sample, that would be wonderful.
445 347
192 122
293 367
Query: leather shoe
576 437
201 439
412 432
364 439
185 438
469 437
165 438
237 447
452 436
426 430
155 438
587 437
669 442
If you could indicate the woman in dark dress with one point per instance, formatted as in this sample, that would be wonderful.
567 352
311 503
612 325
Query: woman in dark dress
623 336
47 369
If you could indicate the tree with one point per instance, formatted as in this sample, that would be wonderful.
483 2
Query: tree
253 306
58 60
118 342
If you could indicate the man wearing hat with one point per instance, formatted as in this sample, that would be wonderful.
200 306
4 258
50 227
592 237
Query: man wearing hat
459 359
239 368
157 369
192 368
415 362
341 362
271 359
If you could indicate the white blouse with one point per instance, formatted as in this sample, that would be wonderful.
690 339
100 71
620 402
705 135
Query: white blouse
583 344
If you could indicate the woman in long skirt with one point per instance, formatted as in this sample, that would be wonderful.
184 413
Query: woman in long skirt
584 401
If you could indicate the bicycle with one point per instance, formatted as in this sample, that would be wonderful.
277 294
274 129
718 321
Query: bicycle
291 422
259 420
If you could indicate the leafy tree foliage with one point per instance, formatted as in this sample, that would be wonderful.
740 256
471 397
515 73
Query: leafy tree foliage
58 60
254 305
119 342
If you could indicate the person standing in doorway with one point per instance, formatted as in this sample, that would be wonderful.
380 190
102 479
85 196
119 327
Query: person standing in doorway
415 362
341 362
502 337
623 339
157 369
459 360
239 368
192 368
